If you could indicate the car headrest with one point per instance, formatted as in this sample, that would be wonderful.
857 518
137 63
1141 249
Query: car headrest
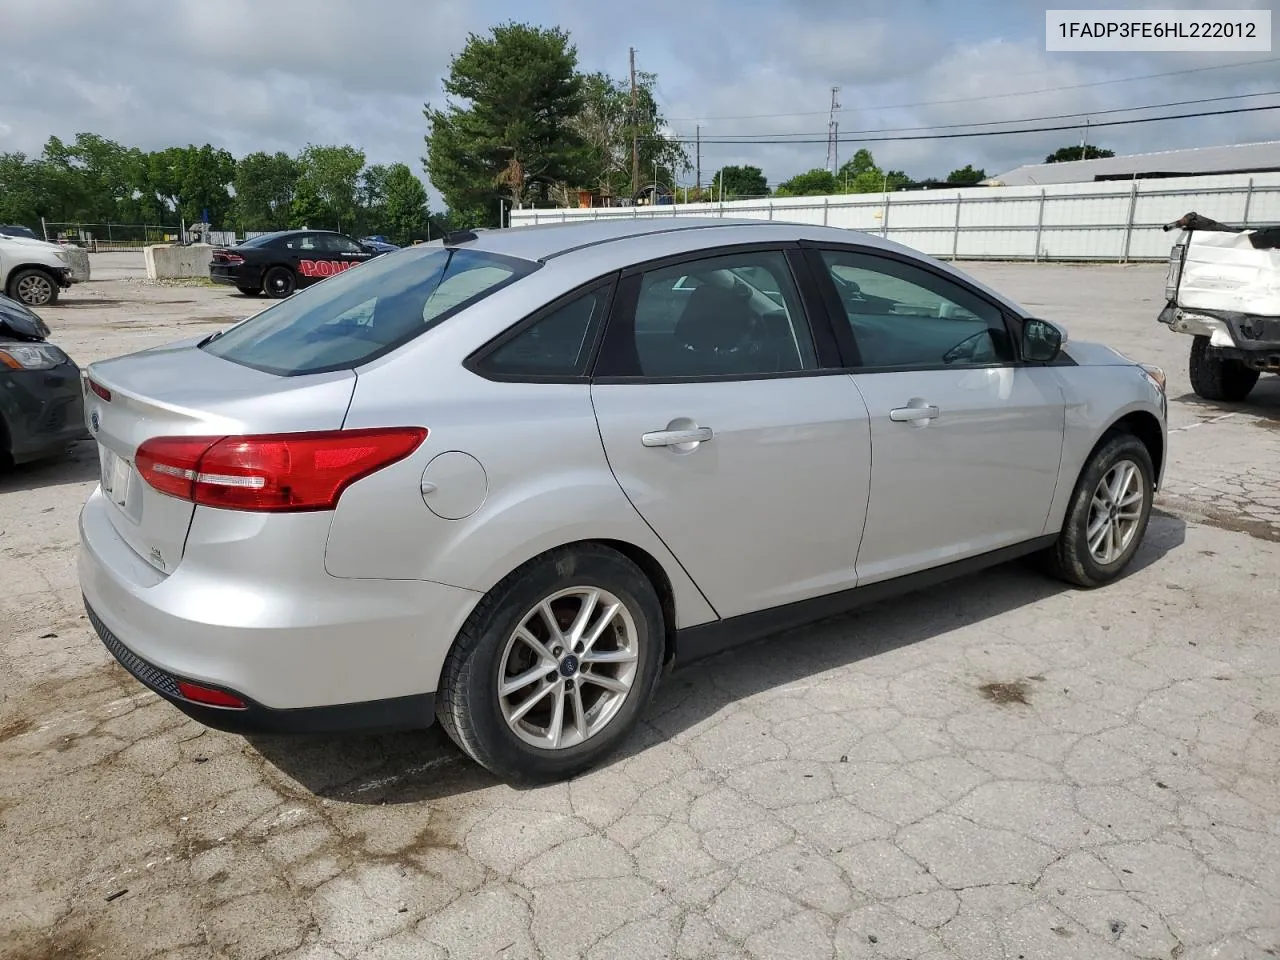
715 318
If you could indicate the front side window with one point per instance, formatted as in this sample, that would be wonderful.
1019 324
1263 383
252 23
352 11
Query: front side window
336 243
733 315
903 316
361 314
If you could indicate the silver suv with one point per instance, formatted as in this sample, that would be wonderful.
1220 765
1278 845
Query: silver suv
504 479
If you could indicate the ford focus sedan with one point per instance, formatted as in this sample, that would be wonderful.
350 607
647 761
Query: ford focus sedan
505 479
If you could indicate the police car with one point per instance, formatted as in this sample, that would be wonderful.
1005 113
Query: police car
280 263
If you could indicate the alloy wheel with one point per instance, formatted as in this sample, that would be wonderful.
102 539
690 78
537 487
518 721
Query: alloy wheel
35 290
568 667
1115 512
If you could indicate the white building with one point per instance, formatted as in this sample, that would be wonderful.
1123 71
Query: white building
1197 161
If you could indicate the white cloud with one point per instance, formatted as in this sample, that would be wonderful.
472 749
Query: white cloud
249 75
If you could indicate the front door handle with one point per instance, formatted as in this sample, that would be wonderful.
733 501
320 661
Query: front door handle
914 413
672 438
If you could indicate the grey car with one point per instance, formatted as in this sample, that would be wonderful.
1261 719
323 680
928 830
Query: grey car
504 479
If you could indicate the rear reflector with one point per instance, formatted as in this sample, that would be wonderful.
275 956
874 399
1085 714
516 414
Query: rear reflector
100 390
286 472
208 696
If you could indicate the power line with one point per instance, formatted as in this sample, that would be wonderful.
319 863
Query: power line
750 137
990 133
987 96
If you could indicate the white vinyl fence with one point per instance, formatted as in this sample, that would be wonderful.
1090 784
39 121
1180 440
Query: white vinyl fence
1111 220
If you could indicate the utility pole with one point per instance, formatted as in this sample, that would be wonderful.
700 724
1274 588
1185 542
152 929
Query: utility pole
698 165
833 130
635 131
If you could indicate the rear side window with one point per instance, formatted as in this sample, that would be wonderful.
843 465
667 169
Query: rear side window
557 344
358 315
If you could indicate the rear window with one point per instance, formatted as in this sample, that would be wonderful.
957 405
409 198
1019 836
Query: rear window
261 241
366 311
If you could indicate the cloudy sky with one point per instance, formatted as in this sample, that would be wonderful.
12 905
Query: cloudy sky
277 74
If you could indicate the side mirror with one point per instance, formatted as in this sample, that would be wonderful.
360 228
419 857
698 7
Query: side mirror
1041 340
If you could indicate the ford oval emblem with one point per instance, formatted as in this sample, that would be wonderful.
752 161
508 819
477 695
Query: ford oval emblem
94 420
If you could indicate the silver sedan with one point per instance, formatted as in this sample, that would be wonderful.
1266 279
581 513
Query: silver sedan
504 479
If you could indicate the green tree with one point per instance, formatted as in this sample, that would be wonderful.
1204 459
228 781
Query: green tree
809 184
404 208
265 184
737 183
330 175
861 174
307 209
372 195
513 134
606 123
190 180
966 176
1087 152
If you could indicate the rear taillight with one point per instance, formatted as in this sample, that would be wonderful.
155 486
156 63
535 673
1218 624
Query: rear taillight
100 390
276 472
231 258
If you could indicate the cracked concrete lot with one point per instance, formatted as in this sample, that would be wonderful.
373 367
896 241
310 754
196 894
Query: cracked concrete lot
997 769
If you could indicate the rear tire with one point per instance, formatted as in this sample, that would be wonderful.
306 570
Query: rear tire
612 680
34 288
1112 495
250 291
279 282
1218 378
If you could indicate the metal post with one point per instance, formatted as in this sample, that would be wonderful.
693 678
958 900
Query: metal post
1248 200
826 204
884 226
955 231
770 209
44 229
1039 224
1128 226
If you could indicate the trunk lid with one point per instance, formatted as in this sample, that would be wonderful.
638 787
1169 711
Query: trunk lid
180 390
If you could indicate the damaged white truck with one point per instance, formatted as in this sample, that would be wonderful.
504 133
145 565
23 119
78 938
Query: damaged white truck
1223 289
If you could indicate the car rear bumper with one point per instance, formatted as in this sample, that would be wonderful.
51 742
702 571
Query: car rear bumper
398 713
43 411
303 650
235 275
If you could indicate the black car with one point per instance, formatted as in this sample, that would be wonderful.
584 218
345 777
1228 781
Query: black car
280 263
41 395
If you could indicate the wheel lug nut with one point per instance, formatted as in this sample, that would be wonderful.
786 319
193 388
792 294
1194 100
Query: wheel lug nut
568 684
551 677
578 648
556 651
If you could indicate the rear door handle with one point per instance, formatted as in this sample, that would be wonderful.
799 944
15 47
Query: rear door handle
670 438
912 414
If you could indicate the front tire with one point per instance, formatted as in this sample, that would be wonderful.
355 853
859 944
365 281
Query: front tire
279 282
554 666
34 288
1218 378
1107 516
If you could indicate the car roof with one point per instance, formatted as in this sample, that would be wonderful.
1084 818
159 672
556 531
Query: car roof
600 246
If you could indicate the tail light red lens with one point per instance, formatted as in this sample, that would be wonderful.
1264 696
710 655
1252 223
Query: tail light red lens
287 472
209 696
100 390
234 259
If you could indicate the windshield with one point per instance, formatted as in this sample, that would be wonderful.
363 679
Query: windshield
362 313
